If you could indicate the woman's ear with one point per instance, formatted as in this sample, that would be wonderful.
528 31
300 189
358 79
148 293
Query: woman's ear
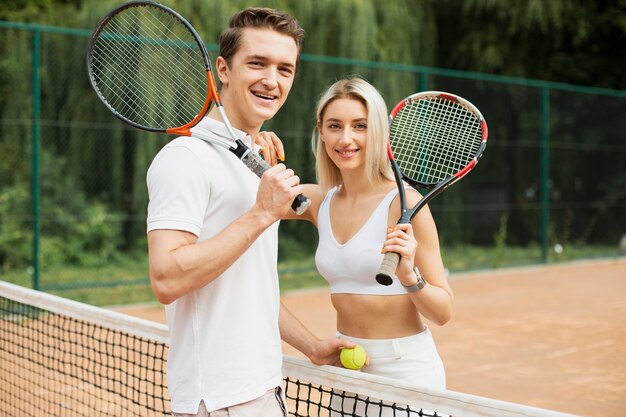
318 125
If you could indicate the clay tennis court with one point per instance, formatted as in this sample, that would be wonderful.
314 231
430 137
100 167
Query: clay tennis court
551 337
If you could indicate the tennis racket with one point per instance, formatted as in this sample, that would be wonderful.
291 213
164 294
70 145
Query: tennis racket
150 68
435 139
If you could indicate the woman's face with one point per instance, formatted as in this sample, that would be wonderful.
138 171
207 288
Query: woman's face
343 129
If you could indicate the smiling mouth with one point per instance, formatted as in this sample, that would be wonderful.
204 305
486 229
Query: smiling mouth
347 152
264 96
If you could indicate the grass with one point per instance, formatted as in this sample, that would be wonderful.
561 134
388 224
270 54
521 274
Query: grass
469 258
127 282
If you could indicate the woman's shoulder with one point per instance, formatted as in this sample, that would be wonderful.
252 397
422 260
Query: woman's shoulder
315 192
413 196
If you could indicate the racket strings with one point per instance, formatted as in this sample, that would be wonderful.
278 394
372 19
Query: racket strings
434 138
125 99
152 35
149 68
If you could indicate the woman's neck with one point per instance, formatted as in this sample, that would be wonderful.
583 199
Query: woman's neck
357 185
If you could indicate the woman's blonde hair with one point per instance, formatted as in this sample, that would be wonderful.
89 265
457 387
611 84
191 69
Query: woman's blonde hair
377 164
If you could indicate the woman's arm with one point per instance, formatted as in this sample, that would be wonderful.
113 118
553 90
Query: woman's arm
418 245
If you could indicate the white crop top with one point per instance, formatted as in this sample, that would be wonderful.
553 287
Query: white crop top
352 267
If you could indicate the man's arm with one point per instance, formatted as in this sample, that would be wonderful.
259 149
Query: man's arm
319 352
180 265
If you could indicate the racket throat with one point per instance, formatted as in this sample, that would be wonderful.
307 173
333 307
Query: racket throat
241 150
405 217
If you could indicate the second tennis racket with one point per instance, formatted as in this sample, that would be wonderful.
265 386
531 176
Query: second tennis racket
435 139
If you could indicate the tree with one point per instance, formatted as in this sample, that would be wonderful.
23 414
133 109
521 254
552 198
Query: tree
581 42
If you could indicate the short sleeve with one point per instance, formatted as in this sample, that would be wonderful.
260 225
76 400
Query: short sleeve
178 191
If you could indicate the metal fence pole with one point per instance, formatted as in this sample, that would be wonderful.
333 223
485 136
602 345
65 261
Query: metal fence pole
545 171
35 154
423 81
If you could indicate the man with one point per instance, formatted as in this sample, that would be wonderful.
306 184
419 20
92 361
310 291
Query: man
212 237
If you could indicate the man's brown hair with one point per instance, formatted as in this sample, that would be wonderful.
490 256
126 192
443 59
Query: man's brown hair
260 18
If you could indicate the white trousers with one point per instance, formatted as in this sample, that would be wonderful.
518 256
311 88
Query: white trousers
413 359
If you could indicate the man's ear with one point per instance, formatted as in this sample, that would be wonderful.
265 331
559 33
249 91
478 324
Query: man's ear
221 66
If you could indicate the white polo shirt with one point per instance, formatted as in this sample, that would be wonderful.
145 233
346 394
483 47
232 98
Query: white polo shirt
225 346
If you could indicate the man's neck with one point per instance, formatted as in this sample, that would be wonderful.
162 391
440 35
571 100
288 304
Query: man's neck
249 130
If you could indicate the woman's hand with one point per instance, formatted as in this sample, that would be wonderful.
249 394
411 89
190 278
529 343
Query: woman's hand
402 241
271 147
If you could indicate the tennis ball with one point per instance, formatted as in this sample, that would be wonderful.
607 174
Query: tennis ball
353 358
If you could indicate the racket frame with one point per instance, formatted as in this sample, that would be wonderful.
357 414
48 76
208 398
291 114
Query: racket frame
391 259
251 159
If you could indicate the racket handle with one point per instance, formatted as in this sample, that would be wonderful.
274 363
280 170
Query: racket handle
259 166
300 204
388 268
255 163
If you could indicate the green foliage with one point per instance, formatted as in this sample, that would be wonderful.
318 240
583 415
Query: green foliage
74 230
560 40
15 233
126 280
94 197
292 247
23 9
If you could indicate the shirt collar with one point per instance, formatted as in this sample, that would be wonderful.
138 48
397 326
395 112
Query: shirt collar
218 128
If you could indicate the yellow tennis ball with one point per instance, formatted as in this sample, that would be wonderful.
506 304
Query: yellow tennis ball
353 358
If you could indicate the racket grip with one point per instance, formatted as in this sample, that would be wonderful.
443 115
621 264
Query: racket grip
388 268
255 163
300 204
258 165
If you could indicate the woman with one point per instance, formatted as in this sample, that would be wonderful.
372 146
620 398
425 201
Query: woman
353 206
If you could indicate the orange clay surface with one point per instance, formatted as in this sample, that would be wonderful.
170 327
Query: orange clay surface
551 337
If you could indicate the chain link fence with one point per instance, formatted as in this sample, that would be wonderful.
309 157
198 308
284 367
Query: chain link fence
72 177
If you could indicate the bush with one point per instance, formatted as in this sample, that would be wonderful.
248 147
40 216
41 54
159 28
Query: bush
73 230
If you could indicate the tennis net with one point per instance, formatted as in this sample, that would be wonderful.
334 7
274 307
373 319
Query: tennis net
62 358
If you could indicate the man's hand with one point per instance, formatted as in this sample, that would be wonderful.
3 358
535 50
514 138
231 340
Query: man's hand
326 352
278 188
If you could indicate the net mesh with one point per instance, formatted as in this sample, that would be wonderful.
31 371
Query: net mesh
149 68
55 365
62 358
433 138
308 399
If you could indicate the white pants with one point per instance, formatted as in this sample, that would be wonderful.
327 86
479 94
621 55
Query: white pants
413 359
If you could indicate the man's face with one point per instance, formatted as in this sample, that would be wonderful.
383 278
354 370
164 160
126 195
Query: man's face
258 81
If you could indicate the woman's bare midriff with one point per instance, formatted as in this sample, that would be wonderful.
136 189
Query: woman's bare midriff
376 316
